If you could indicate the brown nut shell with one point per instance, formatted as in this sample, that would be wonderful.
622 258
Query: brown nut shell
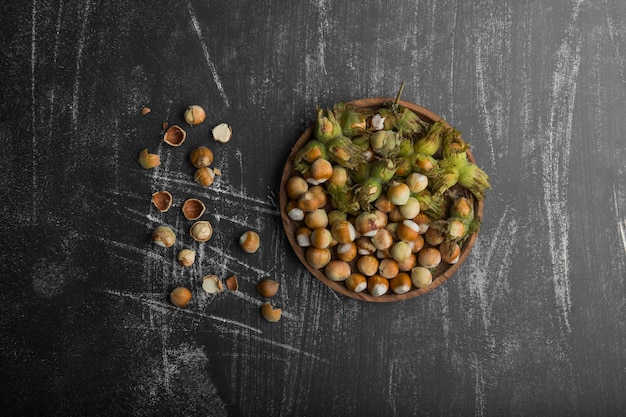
163 236
201 231
180 296
204 176
162 200
270 313
149 160
232 283
201 157
174 135
193 209
267 288
249 241
211 284
194 115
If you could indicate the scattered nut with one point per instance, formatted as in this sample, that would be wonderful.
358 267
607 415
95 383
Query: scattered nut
211 284
204 176
149 160
194 115
186 257
249 241
270 313
163 236
164 125
162 200
201 157
222 133
174 136
267 288
193 209
232 283
201 231
145 110
180 296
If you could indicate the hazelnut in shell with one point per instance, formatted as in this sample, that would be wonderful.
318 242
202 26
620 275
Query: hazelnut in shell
401 283
346 251
249 241
267 288
377 285
318 258
149 160
338 270
180 297
421 277
186 257
204 176
429 257
194 115
201 157
296 186
356 282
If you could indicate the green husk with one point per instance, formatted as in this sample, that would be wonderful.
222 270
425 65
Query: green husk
384 142
409 123
443 178
455 148
343 199
313 150
474 179
383 169
430 144
432 205
367 192
423 164
326 127
353 122
344 152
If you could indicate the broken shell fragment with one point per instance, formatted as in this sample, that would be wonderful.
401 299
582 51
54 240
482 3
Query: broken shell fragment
270 313
149 160
201 157
204 176
193 209
186 257
163 236
222 133
201 231
211 284
174 135
232 283
162 200
145 110
194 115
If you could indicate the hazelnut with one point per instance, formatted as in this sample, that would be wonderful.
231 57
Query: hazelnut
356 282
249 241
186 257
401 283
222 133
316 218
343 231
211 284
346 251
201 157
270 313
194 115
367 265
149 160
429 257
180 296
267 288
204 176
377 285
201 231
303 237
163 236
318 257
421 277
450 252
337 270
296 186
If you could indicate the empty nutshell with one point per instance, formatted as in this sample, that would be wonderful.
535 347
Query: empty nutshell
162 200
270 313
193 209
174 135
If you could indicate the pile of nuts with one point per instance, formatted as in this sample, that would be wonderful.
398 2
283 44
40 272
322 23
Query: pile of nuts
193 208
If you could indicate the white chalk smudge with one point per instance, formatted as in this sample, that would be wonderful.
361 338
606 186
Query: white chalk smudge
79 64
555 156
289 348
621 223
323 28
479 390
151 300
482 279
207 55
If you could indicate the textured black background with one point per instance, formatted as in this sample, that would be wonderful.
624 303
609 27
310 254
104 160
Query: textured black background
532 324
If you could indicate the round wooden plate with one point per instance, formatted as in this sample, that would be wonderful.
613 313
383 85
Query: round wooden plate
440 274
